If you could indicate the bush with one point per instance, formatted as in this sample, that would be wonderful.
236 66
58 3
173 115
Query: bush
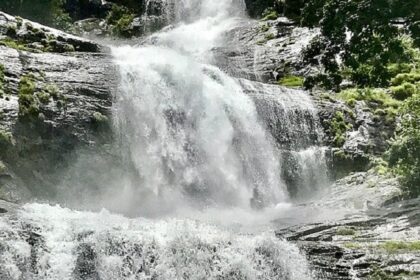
404 91
374 44
120 20
404 153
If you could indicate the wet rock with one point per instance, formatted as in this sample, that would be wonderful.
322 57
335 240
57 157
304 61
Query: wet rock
12 189
25 33
371 238
70 89
264 51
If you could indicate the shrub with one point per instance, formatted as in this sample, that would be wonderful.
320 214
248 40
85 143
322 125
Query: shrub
404 91
339 128
120 19
404 153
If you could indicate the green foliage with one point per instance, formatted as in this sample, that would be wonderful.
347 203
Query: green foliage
99 118
120 18
28 102
404 154
378 100
338 128
269 36
291 81
265 28
48 12
374 42
404 91
14 44
270 15
6 139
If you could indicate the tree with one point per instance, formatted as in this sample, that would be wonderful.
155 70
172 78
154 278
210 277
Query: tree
49 12
358 39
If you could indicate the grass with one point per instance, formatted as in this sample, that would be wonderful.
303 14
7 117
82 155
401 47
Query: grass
291 81
345 231
395 246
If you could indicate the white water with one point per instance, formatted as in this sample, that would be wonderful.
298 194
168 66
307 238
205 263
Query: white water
189 130
203 162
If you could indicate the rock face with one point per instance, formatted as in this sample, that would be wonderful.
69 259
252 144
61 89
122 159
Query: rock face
374 238
69 102
264 51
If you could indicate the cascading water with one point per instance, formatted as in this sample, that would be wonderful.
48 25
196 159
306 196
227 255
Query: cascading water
194 139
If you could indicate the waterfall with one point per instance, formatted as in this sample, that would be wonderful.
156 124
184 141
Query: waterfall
191 132
205 172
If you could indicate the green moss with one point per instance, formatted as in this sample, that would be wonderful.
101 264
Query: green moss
341 155
261 42
395 246
99 118
291 81
2 80
270 15
28 102
14 44
345 231
19 22
53 91
378 274
6 139
339 128
43 97
265 28
351 102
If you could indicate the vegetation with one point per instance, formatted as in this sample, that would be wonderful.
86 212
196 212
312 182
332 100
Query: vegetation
120 18
48 12
378 274
2 80
28 102
394 246
338 128
270 15
6 139
14 44
404 153
345 231
291 81
359 39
